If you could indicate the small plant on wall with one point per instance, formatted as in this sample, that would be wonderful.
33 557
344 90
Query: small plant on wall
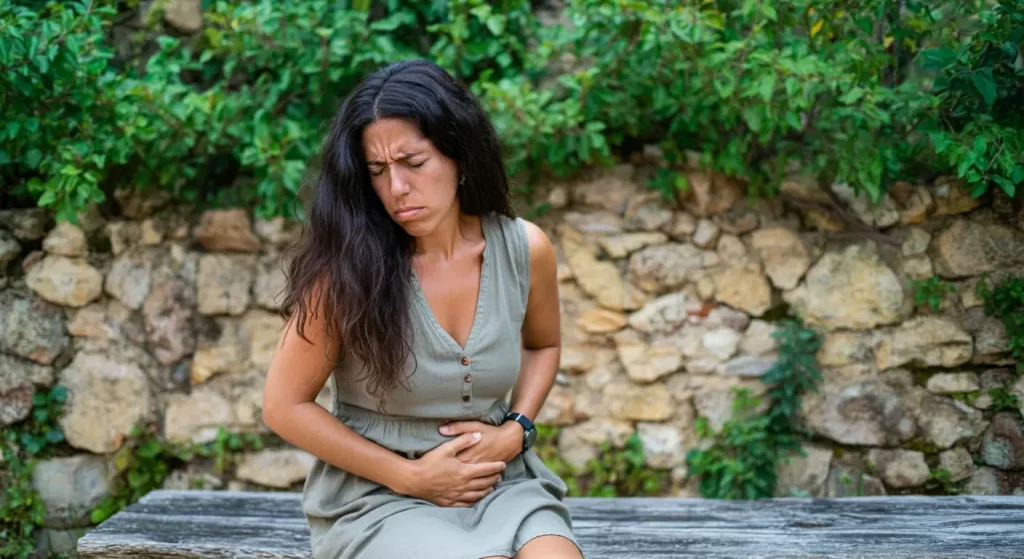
614 472
143 462
740 460
24 444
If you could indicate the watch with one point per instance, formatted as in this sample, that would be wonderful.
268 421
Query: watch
529 431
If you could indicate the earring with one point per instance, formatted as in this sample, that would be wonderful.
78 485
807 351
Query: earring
462 181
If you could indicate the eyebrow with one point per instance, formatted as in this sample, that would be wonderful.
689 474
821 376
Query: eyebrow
400 156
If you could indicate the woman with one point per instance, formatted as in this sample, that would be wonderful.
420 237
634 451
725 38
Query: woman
425 301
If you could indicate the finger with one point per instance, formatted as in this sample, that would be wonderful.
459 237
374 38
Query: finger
474 496
461 443
459 427
453 502
471 455
482 482
485 469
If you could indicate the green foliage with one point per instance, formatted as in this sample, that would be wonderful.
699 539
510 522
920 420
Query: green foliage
1005 301
940 481
967 397
143 462
66 114
980 82
1003 400
930 291
862 92
739 461
852 486
21 509
615 472
244 102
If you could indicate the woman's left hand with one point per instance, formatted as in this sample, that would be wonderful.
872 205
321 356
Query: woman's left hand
498 443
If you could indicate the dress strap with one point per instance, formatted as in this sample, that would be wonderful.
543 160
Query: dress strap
517 247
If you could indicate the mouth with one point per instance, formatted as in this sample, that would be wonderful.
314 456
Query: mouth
408 213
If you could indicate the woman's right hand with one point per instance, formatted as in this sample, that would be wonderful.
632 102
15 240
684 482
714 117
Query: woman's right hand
441 478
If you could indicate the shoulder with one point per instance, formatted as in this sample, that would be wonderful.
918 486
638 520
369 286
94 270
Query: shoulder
542 250
536 239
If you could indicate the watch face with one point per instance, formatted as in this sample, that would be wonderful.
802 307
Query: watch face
531 437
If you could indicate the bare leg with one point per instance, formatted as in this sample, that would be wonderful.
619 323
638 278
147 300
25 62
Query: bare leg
549 547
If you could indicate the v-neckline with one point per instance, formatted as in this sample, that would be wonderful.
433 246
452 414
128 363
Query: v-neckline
421 298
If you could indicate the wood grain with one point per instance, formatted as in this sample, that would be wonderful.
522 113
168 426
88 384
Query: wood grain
219 524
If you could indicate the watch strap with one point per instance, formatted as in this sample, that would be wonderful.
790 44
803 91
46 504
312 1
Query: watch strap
521 419
527 424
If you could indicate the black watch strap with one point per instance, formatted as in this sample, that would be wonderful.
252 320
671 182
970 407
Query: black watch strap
529 430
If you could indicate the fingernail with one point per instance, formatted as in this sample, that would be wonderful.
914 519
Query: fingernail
444 429
476 436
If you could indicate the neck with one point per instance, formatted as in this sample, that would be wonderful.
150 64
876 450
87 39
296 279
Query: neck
453 232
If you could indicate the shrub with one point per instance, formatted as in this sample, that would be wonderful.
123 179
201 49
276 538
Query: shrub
857 91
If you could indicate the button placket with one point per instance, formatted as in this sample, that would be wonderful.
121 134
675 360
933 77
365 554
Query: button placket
467 381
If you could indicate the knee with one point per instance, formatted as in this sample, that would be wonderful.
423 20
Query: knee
549 547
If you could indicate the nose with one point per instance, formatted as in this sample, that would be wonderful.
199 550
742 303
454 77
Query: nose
399 187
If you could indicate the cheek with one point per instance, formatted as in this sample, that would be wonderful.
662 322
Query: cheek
439 184
447 179
380 187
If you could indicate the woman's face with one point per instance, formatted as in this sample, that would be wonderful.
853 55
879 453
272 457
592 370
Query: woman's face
414 180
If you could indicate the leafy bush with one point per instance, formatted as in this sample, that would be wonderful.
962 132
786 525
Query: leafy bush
22 445
1005 301
740 460
857 91
978 128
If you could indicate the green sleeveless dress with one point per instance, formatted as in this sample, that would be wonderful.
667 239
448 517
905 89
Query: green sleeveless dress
353 517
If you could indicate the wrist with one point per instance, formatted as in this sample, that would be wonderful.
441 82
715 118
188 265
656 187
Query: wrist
513 436
526 430
406 474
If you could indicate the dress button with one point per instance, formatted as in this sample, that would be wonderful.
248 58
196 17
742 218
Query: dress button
465 361
465 397
468 378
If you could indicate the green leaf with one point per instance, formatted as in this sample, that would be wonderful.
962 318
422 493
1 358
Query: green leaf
59 393
138 479
47 199
937 58
979 145
55 435
766 86
496 24
33 157
853 95
1008 186
1018 174
985 84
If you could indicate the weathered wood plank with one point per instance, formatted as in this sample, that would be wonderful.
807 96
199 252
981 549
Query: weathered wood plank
215 524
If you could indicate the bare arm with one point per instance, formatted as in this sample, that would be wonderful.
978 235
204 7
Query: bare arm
296 375
542 335
542 339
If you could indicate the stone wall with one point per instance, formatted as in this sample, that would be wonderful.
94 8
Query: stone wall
159 315
666 308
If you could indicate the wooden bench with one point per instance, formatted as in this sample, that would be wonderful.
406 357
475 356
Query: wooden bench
207 524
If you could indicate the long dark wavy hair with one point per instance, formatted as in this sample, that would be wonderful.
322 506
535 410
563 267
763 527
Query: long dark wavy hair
353 262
